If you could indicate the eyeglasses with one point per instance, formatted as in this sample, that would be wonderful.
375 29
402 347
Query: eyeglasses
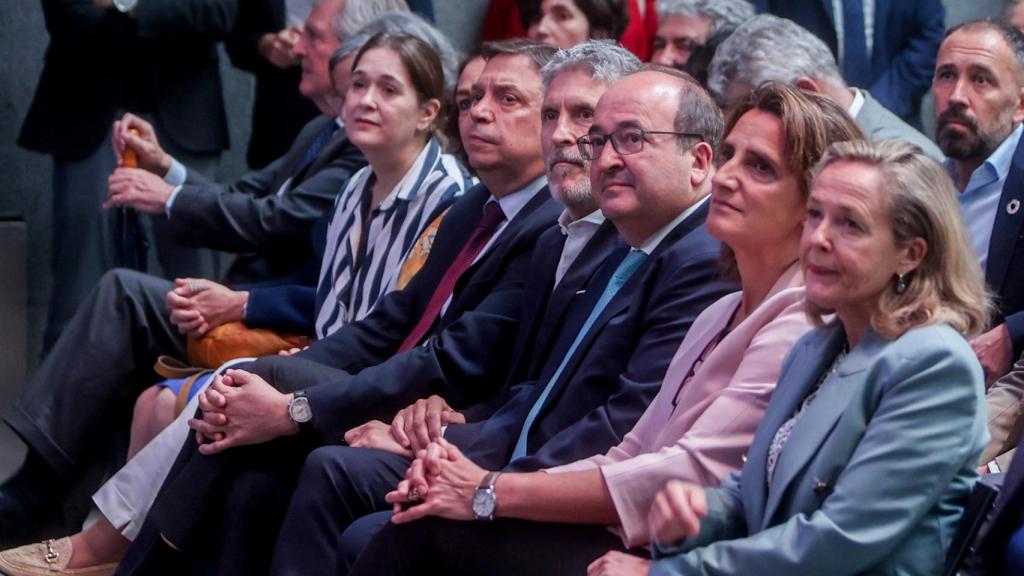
626 140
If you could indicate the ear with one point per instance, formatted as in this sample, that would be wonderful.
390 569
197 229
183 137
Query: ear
807 83
1018 114
428 113
702 167
913 253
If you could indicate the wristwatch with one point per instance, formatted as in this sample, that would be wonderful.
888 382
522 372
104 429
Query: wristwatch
299 411
485 501
125 5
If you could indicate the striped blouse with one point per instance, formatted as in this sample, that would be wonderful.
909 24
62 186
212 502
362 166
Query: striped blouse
362 260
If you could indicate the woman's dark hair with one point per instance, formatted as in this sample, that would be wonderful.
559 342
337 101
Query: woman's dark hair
608 18
421 62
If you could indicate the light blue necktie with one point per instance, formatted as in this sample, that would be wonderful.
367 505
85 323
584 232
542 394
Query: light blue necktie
626 268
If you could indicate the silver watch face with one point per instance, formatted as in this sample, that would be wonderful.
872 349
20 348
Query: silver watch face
299 410
483 503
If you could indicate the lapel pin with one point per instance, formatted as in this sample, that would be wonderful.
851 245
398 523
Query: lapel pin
1012 207
744 458
820 486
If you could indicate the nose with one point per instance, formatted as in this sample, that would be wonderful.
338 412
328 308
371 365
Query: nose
668 56
368 97
563 134
607 160
300 48
817 234
724 177
544 27
480 110
958 94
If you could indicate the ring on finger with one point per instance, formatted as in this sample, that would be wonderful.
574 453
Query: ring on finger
414 494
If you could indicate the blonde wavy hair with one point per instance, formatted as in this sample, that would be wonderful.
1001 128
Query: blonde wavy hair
948 285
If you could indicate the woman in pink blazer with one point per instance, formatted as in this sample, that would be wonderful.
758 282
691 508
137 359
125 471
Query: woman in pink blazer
699 425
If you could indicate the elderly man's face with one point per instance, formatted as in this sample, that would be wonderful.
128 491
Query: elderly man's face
677 38
315 46
654 184
978 96
566 115
503 132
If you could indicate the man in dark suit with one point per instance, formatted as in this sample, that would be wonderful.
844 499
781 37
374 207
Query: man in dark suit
979 106
448 331
566 401
85 387
262 44
150 56
889 51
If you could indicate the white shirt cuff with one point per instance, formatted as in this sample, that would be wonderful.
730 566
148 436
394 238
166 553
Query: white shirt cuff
177 174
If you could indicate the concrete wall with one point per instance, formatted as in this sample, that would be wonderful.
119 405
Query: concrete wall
26 189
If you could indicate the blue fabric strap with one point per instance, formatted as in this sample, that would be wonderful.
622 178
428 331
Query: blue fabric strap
622 274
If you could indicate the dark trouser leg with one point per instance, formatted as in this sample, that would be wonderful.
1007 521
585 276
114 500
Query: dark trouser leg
512 547
192 498
357 537
85 388
83 246
337 486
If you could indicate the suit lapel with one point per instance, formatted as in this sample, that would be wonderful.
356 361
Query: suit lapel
623 298
795 383
574 284
817 422
1007 226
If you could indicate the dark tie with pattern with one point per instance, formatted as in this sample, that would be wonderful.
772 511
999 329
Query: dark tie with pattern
856 65
314 149
492 218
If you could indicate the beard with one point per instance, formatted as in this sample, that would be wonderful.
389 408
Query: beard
968 140
570 192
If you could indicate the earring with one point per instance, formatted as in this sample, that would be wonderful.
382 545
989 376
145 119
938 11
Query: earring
901 284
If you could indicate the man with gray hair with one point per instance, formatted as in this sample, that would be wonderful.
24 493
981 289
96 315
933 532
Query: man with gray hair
772 49
72 406
593 380
691 30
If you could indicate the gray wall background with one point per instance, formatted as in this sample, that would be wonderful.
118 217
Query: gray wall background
26 176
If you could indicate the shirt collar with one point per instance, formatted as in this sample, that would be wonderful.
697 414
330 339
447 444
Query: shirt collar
652 243
565 220
511 204
997 165
857 104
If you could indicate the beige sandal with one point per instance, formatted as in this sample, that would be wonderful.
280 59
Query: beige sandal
47 559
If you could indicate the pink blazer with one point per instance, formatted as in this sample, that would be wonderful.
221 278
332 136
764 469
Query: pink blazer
700 432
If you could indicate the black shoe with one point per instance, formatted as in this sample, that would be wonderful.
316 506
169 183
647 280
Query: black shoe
31 504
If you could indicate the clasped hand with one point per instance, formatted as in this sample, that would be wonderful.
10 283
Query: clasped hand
441 482
240 408
198 306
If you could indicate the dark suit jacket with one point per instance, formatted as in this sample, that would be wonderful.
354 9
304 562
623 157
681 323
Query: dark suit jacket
465 355
1004 271
619 365
906 42
1006 518
100 61
545 309
279 110
250 216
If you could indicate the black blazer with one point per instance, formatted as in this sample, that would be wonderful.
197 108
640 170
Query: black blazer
271 230
100 61
544 310
279 110
1004 272
1006 518
618 367
465 355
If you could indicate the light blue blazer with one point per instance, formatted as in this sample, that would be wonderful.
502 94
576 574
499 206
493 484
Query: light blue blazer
875 473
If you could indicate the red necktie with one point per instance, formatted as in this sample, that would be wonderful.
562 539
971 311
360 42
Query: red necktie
493 216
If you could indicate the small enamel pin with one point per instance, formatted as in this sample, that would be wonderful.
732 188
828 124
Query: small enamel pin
820 486
1012 207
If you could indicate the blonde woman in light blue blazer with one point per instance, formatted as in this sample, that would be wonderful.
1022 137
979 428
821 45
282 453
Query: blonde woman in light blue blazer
867 452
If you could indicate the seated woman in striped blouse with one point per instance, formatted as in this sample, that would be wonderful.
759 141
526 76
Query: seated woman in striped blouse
393 106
